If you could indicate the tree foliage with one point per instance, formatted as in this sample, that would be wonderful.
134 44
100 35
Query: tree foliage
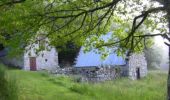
77 20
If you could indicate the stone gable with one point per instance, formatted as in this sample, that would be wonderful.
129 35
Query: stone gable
137 63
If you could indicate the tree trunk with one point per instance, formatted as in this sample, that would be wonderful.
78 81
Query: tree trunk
168 81
167 5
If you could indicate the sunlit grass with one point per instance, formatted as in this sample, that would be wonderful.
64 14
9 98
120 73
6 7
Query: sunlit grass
41 86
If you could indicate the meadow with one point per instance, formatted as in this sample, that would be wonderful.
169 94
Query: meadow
43 86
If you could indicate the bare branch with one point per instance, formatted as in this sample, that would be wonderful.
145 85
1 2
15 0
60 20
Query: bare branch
143 16
149 35
114 2
12 2
167 44
79 27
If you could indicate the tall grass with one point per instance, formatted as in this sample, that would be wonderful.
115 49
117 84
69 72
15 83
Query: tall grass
42 86
8 88
152 87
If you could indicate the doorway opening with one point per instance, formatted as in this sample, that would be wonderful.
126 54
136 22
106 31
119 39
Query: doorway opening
33 66
137 73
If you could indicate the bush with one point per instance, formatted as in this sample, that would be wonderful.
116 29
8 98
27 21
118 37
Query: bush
8 88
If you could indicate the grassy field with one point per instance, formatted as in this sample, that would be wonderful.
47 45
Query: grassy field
41 86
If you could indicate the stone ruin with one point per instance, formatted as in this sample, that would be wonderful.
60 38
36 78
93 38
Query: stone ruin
135 68
94 73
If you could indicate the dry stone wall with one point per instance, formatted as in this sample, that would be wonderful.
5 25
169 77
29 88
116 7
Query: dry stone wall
95 74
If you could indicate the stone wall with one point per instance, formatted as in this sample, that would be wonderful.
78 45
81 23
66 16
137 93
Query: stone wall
137 61
135 68
95 74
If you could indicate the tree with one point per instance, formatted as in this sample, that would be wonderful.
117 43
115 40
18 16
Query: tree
68 20
67 54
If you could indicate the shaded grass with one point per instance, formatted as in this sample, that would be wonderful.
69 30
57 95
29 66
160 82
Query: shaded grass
8 87
42 86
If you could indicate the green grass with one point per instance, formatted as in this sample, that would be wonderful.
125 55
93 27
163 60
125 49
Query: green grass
8 87
41 86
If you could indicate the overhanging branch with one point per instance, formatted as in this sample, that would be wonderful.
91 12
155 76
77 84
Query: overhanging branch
12 2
